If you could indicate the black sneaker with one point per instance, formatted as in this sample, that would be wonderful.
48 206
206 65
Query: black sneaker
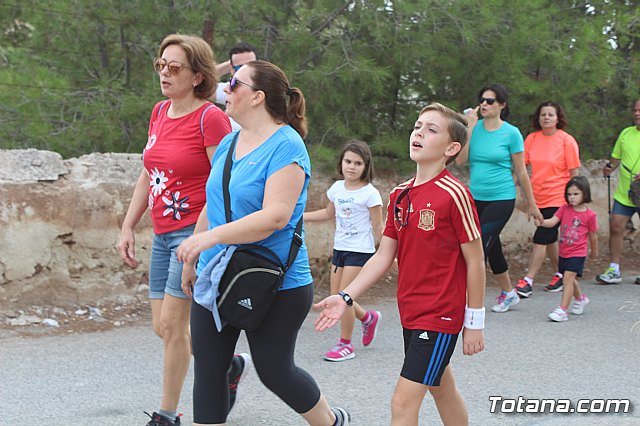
555 285
240 365
160 420
342 416
524 289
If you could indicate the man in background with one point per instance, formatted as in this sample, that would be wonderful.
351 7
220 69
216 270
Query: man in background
239 55
626 153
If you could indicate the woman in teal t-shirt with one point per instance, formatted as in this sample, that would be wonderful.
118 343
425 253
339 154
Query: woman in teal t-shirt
495 152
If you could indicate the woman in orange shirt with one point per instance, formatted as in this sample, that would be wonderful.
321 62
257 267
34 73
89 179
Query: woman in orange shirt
554 158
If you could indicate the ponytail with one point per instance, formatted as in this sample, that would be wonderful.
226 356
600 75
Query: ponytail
296 111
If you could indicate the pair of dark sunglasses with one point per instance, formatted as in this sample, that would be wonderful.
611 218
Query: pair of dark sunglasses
397 210
233 84
489 101
174 67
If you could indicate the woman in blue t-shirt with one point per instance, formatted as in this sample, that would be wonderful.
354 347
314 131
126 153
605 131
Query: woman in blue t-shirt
268 187
495 152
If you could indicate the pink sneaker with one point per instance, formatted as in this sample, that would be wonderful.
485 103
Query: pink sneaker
369 330
340 353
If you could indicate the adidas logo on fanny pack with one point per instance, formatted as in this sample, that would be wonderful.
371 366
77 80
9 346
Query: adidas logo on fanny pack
245 303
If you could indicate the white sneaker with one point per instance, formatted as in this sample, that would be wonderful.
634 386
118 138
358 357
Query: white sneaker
506 301
343 418
609 276
558 315
578 305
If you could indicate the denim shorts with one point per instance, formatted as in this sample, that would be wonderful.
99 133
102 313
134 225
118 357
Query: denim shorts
165 272
622 210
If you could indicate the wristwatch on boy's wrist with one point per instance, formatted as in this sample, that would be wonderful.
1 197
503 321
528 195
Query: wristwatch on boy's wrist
347 299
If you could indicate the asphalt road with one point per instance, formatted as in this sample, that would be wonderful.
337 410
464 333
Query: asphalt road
109 378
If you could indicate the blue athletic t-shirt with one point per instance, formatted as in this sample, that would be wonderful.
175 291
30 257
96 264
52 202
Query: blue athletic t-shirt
490 161
248 179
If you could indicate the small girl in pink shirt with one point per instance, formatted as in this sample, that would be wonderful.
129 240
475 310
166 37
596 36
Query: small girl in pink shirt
578 230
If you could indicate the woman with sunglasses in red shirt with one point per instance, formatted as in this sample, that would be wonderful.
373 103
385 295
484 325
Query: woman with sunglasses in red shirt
184 131
495 152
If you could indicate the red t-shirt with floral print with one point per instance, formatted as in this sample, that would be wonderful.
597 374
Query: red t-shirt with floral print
176 160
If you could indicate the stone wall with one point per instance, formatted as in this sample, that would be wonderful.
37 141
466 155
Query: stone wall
60 220
59 223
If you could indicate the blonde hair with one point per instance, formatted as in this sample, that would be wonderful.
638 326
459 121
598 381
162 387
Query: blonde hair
457 125
199 58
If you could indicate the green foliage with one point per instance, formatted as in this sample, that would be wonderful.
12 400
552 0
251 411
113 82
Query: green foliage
76 76
324 158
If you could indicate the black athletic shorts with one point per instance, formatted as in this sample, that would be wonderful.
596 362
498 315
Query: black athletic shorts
543 235
426 355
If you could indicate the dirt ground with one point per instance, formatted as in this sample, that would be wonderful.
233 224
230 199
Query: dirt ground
113 314
76 319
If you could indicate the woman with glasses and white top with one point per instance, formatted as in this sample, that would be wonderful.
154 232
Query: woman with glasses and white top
268 183
184 131
495 152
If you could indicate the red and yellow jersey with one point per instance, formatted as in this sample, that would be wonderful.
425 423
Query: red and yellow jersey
431 221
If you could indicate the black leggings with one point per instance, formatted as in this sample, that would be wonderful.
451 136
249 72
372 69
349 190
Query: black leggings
494 215
272 349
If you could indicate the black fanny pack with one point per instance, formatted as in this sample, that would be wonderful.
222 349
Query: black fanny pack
254 273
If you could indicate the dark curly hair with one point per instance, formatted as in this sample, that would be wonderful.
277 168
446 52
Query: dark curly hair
562 117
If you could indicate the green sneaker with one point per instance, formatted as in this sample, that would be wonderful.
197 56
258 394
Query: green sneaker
610 276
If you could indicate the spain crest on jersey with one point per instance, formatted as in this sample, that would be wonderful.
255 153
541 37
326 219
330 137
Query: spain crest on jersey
427 220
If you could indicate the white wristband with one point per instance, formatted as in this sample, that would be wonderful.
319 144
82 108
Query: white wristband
474 318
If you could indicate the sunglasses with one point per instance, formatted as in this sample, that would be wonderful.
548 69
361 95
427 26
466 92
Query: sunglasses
233 84
397 210
174 67
489 101
236 67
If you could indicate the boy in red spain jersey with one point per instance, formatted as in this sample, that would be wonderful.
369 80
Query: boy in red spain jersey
432 228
